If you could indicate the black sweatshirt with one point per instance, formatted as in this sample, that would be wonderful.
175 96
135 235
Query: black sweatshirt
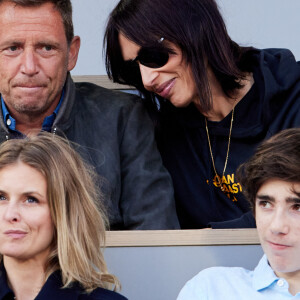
271 105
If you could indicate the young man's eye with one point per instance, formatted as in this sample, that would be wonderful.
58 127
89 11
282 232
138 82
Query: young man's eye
264 204
296 207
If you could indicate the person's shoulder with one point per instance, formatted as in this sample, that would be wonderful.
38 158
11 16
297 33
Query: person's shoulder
103 294
214 275
277 57
220 272
101 94
268 52
277 52
112 105
267 56
214 281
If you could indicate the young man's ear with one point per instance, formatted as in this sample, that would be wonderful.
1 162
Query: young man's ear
73 52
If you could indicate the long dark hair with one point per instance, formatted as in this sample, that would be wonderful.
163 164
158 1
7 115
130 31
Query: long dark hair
195 26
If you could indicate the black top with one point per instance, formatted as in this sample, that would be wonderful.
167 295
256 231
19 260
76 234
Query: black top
52 290
271 105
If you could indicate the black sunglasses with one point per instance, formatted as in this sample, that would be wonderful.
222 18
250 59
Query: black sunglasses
152 57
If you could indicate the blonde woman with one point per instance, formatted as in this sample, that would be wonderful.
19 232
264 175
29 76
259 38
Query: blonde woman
52 227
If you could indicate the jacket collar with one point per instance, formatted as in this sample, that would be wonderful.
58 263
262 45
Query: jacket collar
5 291
52 289
65 115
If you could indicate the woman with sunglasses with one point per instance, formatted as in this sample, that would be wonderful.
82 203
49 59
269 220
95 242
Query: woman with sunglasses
213 101
52 226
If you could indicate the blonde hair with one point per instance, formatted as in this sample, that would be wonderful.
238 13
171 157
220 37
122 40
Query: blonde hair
76 210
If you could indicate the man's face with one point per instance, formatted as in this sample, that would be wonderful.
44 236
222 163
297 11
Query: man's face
34 58
278 224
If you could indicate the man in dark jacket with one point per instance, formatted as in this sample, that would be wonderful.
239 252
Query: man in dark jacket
111 130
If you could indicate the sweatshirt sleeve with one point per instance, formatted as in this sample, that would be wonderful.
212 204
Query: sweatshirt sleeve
245 221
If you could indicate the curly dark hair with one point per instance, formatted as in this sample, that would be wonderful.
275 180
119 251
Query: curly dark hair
276 158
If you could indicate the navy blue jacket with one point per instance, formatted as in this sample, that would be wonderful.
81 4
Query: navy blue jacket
52 290
271 105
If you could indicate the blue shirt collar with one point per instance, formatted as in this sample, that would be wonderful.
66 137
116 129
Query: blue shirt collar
6 116
47 123
263 275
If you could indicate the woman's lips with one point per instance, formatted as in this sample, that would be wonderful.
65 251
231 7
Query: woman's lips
164 89
15 234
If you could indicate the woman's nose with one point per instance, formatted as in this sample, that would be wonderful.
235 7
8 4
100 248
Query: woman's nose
149 76
12 213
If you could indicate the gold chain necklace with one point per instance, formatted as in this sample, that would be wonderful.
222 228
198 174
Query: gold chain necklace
220 181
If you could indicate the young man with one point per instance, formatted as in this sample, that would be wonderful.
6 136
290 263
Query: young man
112 130
271 181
